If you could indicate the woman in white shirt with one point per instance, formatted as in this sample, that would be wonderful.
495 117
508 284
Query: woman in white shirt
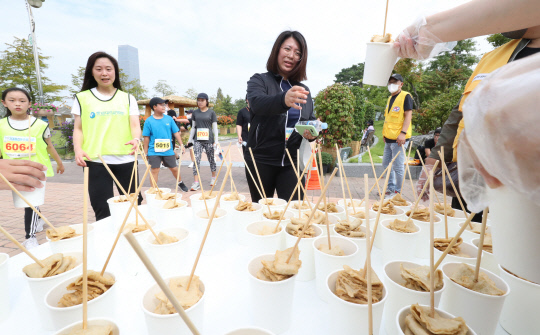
107 124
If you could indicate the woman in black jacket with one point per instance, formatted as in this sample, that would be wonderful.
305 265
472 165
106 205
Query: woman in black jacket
278 101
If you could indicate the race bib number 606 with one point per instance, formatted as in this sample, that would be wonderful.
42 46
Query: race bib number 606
18 146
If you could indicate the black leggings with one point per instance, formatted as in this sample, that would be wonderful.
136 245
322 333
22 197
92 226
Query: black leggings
30 221
280 179
100 185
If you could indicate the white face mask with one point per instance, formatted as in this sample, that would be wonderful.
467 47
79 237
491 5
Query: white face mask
393 88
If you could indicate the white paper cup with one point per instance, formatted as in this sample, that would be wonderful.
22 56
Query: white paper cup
168 258
520 311
240 220
399 296
405 208
102 306
229 205
262 244
326 264
488 260
271 302
396 245
170 324
340 214
307 271
197 204
36 197
454 221
480 311
286 217
170 217
119 210
91 322
74 243
422 247
39 287
380 61
250 331
4 286
295 210
360 243
466 248
215 241
517 244
400 214
278 204
468 235
356 203
372 217
150 197
349 318
333 220
402 314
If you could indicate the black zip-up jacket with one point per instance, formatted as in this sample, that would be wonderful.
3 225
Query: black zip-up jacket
269 120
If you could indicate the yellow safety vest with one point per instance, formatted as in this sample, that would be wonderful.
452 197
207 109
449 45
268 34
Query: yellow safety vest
14 143
393 120
105 124
489 63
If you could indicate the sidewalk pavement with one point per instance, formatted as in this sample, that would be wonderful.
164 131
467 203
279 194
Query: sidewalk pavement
64 196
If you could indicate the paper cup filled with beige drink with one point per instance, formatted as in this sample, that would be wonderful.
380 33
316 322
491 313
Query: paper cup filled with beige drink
380 60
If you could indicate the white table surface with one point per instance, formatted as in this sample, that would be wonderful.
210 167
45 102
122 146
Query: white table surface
224 274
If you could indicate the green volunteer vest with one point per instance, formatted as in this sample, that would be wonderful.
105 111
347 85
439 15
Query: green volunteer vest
105 124
14 143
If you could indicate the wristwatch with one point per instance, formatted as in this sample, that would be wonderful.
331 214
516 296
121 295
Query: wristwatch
404 132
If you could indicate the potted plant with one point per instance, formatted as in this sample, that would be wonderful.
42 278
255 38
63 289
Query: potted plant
224 122
326 162
45 109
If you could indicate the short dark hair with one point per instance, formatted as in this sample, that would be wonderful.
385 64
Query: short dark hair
14 89
299 72
89 81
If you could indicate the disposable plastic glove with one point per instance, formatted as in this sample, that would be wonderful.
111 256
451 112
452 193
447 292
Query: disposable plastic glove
422 181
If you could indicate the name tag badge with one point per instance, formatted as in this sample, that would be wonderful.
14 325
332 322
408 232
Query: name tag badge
17 146
162 145
480 76
288 132
203 134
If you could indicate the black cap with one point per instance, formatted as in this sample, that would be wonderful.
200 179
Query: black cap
437 131
155 101
202 96
396 76
189 111
171 112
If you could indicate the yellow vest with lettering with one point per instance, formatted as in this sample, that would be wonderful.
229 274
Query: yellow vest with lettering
489 63
393 120
105 124
14 143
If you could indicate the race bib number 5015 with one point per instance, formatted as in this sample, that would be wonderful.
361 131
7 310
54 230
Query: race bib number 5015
162 145
19 146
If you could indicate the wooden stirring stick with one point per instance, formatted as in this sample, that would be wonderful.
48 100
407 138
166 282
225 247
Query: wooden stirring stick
427 174
409 172
27 202
480 245
367 269
454 240
387 170
254 180
311 216
413 209
20 246
431 247
29 137
296 172
152 181
178 179
136 181
321 183
374 173
219 171
343 188
259 177
210 219
384 30
299 193
85 249
161 283
453 186
131 206
299 182
346 181
132 173
444 198
202 189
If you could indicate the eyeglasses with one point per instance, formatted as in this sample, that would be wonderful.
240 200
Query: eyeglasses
296 55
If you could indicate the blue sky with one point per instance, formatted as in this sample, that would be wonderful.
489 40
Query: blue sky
209 44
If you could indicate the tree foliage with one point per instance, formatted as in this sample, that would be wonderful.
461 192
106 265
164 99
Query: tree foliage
335 106
162 88
17 68
351 76
497 40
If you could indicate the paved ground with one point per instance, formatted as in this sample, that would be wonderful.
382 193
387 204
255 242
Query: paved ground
64 195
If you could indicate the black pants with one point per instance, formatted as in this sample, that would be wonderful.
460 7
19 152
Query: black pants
30 221
280 179
100 185
456 205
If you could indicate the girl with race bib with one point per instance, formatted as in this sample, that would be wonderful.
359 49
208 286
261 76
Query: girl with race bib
204 136
17 141
107 124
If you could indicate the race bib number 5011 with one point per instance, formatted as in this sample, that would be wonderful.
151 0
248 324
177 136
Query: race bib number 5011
19 146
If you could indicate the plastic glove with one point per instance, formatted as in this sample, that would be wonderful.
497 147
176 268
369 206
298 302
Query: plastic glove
422 181
417 42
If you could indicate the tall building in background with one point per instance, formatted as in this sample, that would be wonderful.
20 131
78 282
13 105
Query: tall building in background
128 60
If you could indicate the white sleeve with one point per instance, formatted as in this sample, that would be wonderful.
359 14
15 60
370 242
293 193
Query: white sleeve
215 129
192 132
75 108
133 107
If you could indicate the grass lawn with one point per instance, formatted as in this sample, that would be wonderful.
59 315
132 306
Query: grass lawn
378 149
59 143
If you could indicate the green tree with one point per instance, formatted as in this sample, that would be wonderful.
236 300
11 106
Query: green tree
163 88
77 80
411 72
219 95
191 93
351 76
434 112
130 86
335 106
239 104
497 40
17 68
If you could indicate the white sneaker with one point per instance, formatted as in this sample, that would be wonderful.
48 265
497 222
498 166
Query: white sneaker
30 243
190 165
40 225
162 166
212 181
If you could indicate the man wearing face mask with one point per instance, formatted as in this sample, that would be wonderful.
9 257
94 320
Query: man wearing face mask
396 131
525 42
